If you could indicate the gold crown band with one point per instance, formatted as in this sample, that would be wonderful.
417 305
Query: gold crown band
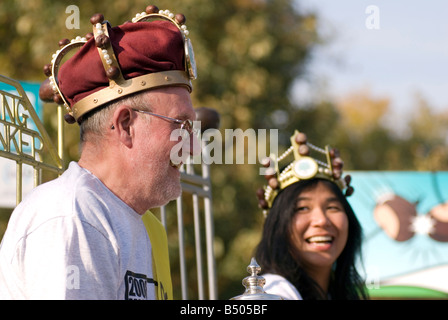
133 85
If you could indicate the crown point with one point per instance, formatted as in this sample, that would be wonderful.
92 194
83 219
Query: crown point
46 91
151 9
63 42
266 162
180 18
337 173
102 41
260 193
47 69
69 118
58 99
349 191
301 138
337 163
89 36
270 173
97 18
273 183
304 150
113 72
334 153
263 204
348 179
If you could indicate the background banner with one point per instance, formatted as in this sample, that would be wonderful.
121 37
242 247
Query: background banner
404 216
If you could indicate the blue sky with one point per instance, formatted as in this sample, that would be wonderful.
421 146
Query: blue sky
408 54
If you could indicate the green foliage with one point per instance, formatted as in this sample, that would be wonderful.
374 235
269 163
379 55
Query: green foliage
248 52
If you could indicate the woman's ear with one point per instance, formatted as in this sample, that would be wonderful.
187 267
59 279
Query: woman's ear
122 121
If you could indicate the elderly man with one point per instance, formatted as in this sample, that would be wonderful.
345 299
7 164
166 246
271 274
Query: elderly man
82 235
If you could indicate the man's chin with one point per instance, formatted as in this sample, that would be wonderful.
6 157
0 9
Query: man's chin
177 193
174 192
167 188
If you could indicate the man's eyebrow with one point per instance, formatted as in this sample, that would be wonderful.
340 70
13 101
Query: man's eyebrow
185 116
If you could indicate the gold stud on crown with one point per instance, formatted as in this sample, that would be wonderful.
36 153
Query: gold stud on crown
309 162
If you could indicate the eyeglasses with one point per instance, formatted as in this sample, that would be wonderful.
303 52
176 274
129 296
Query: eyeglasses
186 125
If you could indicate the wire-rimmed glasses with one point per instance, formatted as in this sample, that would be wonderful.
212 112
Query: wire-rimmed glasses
185 125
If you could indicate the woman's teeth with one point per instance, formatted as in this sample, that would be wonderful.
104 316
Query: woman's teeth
320 239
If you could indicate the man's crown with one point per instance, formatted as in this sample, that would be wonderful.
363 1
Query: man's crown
120 84
309 162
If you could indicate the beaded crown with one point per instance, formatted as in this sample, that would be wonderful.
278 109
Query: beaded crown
309 162
118 86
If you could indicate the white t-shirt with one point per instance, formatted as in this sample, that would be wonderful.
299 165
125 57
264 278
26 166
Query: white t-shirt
72 238
279 286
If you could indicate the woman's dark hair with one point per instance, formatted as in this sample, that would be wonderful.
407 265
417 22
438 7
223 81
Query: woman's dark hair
275 251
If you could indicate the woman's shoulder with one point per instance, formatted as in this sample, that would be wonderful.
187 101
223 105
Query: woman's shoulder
278 285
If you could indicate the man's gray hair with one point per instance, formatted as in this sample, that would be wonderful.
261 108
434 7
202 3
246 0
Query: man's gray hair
95 125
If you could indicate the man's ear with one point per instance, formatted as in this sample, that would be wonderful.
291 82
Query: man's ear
122 122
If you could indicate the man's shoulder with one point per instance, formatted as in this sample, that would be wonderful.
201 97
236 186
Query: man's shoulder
68 196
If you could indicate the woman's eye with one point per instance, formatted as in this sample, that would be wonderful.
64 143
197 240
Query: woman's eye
301 208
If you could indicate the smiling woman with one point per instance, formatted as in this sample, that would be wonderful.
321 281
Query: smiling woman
319 228
311 237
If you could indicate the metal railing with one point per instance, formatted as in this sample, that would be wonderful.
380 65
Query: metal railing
22 143
199 188
23 138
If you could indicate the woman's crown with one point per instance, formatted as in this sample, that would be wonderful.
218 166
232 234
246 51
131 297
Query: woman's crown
309 162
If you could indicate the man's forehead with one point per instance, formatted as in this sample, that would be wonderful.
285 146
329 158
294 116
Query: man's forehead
170 101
